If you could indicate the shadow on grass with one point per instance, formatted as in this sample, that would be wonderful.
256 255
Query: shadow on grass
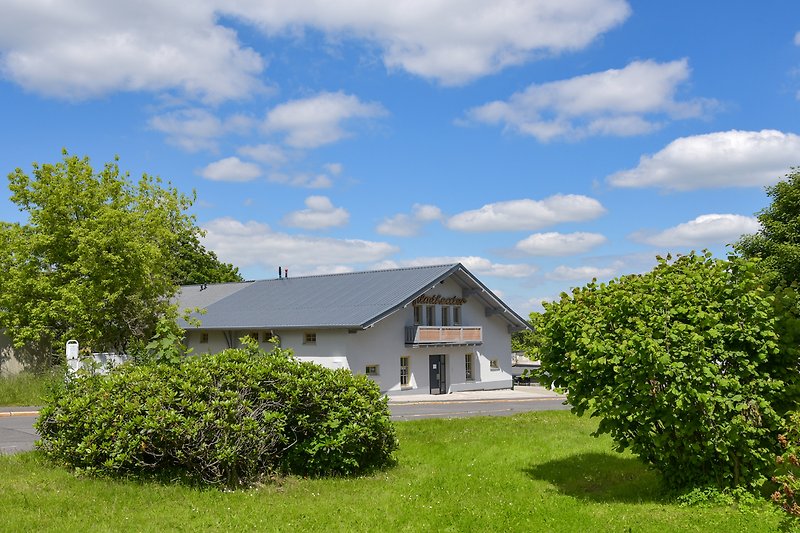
600 477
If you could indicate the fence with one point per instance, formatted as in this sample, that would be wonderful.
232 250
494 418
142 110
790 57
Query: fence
96 363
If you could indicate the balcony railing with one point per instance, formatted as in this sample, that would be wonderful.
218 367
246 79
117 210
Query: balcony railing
442 335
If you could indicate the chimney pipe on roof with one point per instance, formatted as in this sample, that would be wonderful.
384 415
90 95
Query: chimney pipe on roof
280 274
286 271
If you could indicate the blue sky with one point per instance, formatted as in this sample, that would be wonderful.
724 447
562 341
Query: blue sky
541 143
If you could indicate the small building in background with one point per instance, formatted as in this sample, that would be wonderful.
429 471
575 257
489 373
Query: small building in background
431 329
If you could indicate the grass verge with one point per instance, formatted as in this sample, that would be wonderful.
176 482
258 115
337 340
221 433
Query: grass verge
531 472
27 388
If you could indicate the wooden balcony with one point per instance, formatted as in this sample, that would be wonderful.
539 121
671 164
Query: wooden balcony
443 335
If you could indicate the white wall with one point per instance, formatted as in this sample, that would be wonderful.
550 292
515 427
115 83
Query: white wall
9 364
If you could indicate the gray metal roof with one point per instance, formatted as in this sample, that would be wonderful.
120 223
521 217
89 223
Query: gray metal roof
202 296
351 300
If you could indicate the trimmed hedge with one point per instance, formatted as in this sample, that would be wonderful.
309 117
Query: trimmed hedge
226 419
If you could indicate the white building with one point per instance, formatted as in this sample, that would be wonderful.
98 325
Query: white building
433 329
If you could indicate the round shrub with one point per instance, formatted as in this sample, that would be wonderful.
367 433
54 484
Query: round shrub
227 419
690 366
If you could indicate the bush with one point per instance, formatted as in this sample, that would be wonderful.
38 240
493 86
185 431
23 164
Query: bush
227 419
691 366
787 475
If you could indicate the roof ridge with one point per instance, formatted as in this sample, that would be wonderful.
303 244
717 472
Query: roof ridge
355 272
218 283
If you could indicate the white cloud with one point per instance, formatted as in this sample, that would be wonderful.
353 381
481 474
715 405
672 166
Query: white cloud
534 304
427 212
269 154
322 270
705 230
93 47
399 225
231 169
581 273
305 181
320 214
477 265
797 38
333 168
628 101
316 121
253 243
404 225
452 41
84 49
197 129
722 159
555 244
526 214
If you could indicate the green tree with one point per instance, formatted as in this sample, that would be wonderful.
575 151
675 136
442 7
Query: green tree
529 340
94 259
194 264
691 366
777 244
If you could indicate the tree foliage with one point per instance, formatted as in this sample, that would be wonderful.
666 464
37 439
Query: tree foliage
194 264
777 244
787 475
96 258
229 419
529 340
691 366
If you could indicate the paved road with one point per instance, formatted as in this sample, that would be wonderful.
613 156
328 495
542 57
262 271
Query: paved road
460 409
17 433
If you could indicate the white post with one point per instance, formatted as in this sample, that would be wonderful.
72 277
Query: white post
73 361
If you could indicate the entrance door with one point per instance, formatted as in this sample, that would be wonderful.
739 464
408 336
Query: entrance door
438 374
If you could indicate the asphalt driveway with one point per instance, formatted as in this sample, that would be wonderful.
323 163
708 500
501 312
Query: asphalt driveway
16 429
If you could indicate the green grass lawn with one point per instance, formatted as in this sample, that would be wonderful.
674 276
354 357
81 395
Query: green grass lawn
532 472
27 388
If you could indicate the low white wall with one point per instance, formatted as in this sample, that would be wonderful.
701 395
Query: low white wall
9 364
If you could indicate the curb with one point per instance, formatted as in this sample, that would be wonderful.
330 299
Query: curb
6 414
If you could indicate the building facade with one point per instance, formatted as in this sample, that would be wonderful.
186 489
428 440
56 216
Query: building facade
425 329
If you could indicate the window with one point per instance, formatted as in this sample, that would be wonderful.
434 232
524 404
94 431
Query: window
457 315
272 337
468 367
431 315
372 370
417 315
494 364
445 315
310 338
204 338
405 363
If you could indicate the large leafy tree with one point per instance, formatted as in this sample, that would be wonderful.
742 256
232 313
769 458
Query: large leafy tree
691 366
194 264
96 258
777 244
529 340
